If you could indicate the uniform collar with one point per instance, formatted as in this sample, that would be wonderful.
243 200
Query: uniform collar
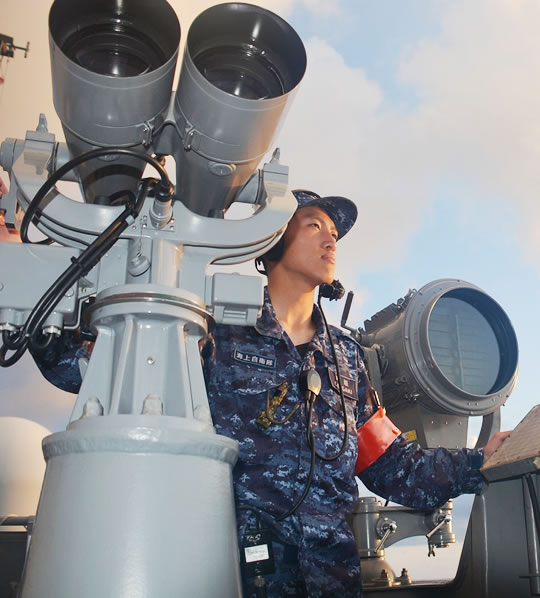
321 341
268 325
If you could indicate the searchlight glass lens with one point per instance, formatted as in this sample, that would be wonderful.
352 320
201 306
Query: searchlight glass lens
242 71
114 50
464 346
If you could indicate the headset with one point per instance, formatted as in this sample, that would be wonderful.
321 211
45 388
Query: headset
273 255
333 291
276 252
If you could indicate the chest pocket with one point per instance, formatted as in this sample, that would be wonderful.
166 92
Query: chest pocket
331 395
251 372
328 418
349 385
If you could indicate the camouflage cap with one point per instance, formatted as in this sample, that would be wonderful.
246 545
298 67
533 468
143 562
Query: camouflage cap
341 210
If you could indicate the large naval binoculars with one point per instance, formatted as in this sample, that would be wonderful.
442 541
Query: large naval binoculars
113 65
134 256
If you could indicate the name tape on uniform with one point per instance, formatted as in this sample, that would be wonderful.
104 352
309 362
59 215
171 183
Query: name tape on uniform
253 359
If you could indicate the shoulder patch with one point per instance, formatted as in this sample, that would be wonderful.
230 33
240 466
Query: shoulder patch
347 337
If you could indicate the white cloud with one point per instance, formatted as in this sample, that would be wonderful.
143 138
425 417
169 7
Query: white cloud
26 394
323 7
479 104
413 556
477 122
188 10
477 118
341 139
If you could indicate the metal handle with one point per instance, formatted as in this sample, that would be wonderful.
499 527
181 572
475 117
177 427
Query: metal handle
388 527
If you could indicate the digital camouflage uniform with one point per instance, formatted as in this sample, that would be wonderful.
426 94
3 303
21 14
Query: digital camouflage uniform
315 553
241 365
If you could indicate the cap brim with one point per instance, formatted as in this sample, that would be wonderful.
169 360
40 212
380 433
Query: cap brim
341 210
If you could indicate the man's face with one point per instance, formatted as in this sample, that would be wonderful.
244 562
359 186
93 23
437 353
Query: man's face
310 246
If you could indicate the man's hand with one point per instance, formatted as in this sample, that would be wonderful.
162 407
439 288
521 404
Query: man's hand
6 234
495 443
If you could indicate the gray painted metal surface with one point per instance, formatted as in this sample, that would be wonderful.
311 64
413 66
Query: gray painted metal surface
220 136
137 493
121 497
500 557
135 484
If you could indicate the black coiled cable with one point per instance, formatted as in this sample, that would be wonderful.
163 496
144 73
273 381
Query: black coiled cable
341 394
19 340
34 209
311 441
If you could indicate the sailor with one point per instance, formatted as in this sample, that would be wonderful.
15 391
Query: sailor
257 381
294 393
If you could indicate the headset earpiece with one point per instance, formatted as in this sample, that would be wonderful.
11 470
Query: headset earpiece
272 255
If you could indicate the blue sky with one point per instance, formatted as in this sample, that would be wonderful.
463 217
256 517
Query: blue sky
433 202
424 113
465 225
469 220
372 35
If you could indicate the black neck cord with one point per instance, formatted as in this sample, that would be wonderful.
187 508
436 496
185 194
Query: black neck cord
311 440
342 396
310 400
34 208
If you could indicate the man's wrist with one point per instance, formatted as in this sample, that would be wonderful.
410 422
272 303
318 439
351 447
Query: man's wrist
477 458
